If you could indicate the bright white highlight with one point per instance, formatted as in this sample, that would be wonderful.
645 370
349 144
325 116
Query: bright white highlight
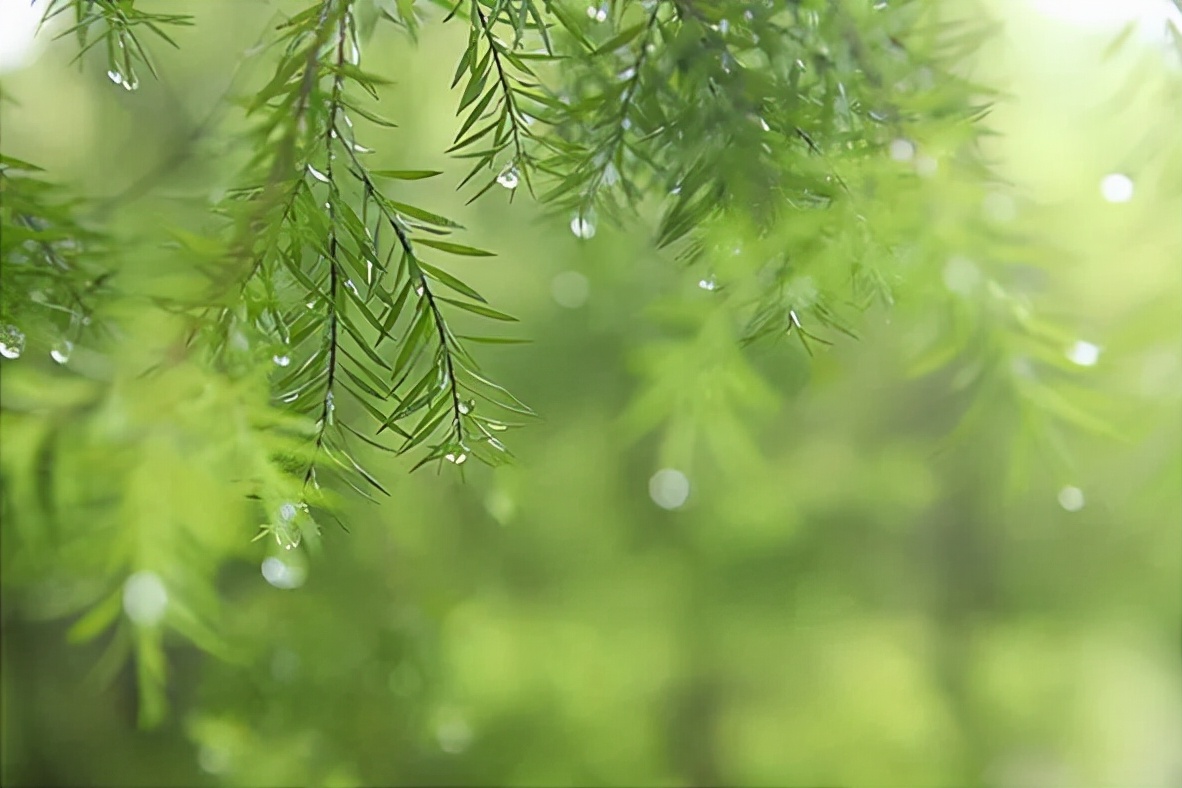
18 33
1084 354
1117 187
669 488
902 150
1071 499
145 598
282 574
582 227
1112 15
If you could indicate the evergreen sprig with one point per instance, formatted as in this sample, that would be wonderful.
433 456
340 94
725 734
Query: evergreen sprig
53 274
115 25
806 159
336 281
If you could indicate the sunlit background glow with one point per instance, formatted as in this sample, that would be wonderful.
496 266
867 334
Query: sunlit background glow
1150 16
19 41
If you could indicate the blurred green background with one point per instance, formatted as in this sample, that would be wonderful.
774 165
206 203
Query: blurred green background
857 603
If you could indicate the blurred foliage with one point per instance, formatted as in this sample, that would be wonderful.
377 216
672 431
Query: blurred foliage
858 458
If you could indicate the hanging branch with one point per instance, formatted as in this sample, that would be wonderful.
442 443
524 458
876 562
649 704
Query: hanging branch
116 23
496 105
326 413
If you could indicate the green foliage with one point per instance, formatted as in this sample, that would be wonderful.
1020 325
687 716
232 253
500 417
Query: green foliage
261 350
115 26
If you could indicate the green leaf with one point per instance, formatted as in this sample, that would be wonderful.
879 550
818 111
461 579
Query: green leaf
406 175
424 216
440 275
371 116
620 39
97 619
494 340
479 309
453 248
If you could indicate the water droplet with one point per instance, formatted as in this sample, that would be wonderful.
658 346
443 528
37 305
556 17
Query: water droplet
926 166
626 74
458 459
669 488
509 178
902 150
330 407
145 598
1116 187
570 289
708 284
597 14
420 289
288 512
1085 354
128 83
12 342
467 406
961 275
1071 498
349 284
281 361
282 574
317 174
724 27
999 207
61 351
582 226
354 54
213 760
287 534
361 148
454 735
611 176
